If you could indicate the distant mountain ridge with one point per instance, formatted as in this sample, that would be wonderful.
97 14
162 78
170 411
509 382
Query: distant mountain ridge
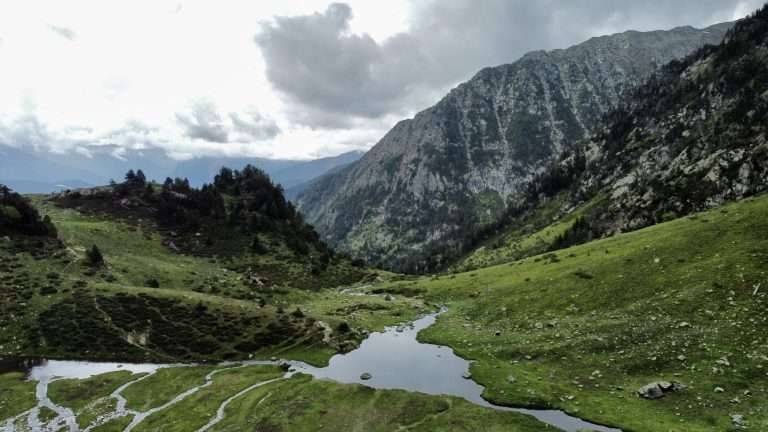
31 171
433 180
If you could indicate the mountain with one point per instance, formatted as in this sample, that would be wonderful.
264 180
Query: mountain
43 171
692 137
432 181
306 171
28 171
293 191
202 169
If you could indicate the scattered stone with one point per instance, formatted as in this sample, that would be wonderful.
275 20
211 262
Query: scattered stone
723 361
511 379
388 297
719 390
366 376
738 420
466 375
659 389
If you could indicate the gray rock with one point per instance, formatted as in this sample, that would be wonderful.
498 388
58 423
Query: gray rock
366 376
738 420
659 389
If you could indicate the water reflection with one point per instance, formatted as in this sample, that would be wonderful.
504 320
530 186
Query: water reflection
396 360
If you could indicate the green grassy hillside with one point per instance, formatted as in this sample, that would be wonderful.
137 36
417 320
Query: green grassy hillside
582 329
148 301
533 232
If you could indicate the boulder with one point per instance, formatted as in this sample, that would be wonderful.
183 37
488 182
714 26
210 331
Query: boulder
659 389
738 421
366 376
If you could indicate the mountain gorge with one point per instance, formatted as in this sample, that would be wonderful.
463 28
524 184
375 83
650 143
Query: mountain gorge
422 192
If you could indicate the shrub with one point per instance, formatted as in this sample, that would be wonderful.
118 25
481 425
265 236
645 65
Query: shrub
583 275
257 246
343 327
48 290
94 258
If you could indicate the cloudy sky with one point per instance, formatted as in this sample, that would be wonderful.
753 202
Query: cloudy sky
296 79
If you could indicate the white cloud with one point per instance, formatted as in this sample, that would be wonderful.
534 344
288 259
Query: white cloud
81 73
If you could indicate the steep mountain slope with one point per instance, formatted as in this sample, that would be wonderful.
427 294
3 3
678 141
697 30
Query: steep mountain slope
692 137
435 179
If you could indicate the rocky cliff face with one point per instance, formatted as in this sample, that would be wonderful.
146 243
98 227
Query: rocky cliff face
692 137
422 192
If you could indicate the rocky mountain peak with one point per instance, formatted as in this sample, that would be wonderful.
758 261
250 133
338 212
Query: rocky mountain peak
434 180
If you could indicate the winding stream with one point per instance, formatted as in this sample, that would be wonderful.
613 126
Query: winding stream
393 358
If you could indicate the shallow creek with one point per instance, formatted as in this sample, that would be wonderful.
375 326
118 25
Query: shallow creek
393 358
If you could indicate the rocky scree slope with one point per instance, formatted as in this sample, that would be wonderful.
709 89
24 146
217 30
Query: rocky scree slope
422 191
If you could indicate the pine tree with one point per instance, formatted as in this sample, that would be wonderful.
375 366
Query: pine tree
257 247
94 258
